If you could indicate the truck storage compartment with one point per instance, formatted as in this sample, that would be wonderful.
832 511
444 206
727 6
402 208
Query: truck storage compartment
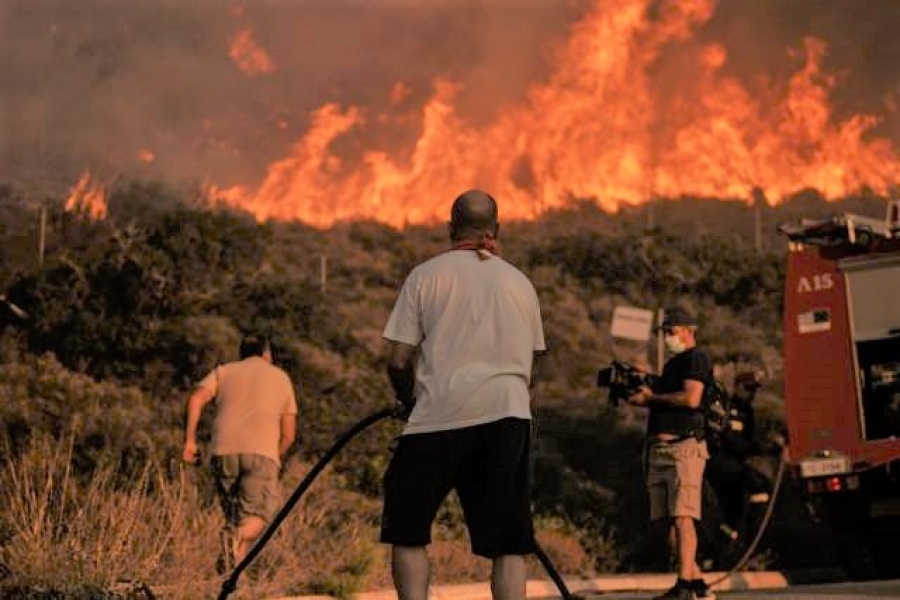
873 296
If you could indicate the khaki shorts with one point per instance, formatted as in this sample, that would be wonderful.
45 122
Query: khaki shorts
675 478
247 485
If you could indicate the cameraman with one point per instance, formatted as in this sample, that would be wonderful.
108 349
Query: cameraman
675 448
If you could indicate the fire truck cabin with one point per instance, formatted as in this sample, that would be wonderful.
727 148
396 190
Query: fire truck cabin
842 356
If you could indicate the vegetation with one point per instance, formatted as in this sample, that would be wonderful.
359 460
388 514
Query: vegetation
124 314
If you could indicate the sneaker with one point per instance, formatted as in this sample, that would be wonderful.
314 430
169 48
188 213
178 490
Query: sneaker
701 590
680 591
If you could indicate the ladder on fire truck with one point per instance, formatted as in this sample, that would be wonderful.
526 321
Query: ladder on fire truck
858 230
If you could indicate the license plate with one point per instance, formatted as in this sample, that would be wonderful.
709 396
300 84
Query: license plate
819 467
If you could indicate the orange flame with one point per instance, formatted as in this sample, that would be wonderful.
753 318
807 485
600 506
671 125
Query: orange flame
87 197
599 128
399 93
146 156
249 56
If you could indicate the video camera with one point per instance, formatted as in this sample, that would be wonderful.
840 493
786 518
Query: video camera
622 380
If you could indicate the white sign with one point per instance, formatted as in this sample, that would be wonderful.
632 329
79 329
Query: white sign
632 323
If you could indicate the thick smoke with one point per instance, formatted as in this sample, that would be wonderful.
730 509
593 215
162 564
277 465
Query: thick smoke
147 87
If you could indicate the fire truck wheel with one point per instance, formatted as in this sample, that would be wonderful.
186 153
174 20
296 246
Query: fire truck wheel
847 518
865 546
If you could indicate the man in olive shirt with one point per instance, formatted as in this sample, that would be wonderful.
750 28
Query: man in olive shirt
255 425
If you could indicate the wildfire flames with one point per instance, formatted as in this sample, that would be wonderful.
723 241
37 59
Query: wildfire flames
601 127
146 156
88 197
249 56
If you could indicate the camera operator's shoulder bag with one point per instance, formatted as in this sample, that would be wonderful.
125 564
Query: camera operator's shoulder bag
715 411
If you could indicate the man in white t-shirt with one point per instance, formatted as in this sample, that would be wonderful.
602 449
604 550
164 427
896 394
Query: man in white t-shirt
255 425
462 338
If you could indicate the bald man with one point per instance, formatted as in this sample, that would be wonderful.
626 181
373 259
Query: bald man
462 339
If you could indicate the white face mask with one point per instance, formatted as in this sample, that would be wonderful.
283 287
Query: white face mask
674 344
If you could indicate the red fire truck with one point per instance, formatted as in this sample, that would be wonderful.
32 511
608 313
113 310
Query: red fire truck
842 380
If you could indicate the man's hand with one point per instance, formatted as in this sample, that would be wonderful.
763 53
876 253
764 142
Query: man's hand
402 410
640 397
196 401
402 375
191 454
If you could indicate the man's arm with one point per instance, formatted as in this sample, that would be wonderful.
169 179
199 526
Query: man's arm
690 396
196 401
288 433
401 372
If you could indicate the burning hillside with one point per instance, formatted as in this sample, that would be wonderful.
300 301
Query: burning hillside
638 99
599 128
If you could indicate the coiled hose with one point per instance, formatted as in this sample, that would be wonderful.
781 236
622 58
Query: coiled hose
770 507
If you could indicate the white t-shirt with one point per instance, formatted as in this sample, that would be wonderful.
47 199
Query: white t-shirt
477 324
251 396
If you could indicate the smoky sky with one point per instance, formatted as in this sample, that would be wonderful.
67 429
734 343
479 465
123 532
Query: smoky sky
89 84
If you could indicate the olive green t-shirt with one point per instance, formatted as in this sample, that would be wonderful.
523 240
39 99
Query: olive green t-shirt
251 397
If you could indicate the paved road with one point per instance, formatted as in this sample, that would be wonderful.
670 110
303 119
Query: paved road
652 586
871 590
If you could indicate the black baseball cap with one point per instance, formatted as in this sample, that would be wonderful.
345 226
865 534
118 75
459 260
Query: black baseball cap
675 316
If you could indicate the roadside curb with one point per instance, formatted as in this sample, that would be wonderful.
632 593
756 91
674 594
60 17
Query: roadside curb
586 588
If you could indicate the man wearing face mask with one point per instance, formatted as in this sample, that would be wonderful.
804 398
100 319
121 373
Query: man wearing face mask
676 452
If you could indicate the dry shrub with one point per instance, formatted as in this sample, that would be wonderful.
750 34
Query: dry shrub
63 533
565 553
158 529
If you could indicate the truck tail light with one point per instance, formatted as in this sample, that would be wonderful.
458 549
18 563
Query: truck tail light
833 484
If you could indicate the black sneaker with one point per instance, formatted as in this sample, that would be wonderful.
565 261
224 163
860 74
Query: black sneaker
680 591
701 590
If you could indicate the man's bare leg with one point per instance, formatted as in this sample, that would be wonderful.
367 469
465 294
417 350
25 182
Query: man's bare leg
247 533
508 577
686 534
411 572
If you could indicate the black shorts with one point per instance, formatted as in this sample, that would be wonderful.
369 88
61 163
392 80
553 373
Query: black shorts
488 467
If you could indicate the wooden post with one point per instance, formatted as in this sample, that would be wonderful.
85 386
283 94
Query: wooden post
757 200
323 272
42 235
659 341
757 231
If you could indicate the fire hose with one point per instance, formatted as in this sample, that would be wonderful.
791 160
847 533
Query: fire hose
230 584
770 506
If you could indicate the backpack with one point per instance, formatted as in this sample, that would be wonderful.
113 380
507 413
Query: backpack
716 409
